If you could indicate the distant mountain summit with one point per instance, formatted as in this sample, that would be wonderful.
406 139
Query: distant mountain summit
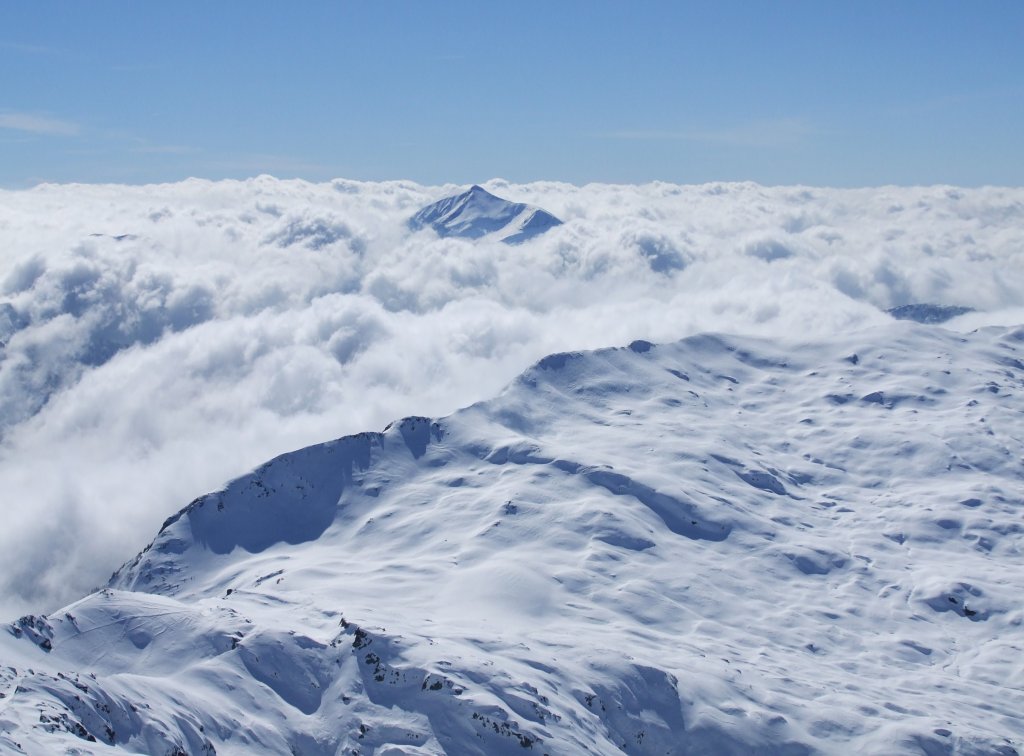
476 213
930 314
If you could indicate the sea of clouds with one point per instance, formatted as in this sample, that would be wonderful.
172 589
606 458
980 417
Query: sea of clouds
156 341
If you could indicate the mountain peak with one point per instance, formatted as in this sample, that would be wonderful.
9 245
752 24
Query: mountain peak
477 212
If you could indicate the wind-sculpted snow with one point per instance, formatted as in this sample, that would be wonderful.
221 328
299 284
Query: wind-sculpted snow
683 548
156 341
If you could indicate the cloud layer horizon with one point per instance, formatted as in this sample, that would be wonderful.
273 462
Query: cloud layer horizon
159 340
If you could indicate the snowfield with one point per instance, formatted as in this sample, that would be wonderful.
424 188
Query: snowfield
722 545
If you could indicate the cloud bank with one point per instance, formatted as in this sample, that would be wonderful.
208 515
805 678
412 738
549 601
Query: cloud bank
159 340
37 124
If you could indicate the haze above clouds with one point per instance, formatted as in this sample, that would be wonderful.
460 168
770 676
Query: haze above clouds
158 340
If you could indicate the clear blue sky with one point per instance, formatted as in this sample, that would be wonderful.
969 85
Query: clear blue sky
820 92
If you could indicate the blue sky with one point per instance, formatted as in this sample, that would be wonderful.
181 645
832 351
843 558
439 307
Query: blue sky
823 93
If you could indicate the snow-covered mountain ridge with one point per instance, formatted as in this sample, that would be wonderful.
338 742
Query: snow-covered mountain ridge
476 213
722 545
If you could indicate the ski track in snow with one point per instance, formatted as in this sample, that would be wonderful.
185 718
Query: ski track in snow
723 545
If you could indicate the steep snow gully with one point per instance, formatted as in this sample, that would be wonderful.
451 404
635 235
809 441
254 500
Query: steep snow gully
722 546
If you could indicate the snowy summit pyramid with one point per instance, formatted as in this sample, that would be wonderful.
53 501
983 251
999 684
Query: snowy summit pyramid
476 213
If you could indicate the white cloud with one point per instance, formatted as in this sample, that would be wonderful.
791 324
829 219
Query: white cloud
37 124
29 49
210 326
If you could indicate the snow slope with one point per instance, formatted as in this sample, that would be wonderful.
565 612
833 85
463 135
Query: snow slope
476 213
723 545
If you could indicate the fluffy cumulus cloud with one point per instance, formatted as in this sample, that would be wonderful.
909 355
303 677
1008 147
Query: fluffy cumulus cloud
156 341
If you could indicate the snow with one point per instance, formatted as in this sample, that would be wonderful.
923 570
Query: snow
719 545
476 213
